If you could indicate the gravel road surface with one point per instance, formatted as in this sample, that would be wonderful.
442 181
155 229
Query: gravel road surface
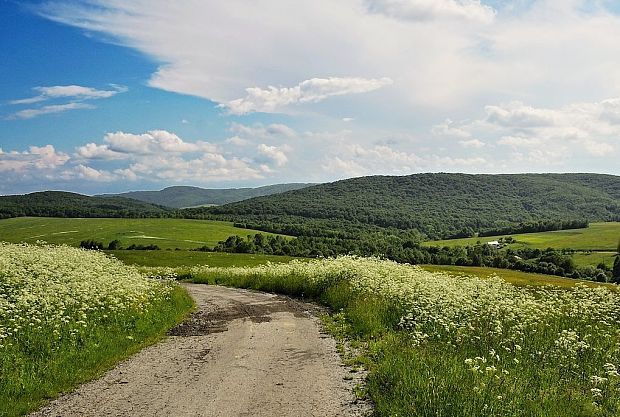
242 353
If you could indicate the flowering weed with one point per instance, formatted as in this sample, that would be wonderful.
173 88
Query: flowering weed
442 345
66 314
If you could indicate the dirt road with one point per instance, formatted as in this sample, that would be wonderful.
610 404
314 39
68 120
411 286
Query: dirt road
241 354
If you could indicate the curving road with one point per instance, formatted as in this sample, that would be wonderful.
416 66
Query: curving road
242 353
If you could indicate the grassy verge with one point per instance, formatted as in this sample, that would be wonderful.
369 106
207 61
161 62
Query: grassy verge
67 315
33 375
439 345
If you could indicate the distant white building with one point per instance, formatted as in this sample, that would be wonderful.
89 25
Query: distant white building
494 244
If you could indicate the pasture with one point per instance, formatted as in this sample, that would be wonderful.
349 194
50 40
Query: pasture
597 237
165 233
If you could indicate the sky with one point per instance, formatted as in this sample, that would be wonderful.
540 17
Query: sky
109 95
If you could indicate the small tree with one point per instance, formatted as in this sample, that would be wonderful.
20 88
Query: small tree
615 272
114 245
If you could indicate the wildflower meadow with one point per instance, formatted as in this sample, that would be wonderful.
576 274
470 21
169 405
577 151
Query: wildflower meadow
440 345
67 314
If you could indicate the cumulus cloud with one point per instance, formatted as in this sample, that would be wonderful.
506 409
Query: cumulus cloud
35 159
314 90
273 153
121 145
544 134
422 10
162 155
383 159
156 156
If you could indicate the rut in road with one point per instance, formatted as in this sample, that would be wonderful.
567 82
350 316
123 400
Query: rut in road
242 353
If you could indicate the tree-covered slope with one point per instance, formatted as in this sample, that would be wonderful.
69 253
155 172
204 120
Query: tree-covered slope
64 204
182 196
439 205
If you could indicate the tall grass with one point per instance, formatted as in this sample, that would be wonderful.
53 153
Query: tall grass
439 345
67 314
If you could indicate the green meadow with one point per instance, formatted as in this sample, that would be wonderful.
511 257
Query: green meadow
511 276
176 258
165 233
594 245
598 237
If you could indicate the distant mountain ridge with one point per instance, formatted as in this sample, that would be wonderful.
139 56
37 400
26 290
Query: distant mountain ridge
438 205
65 204
186 196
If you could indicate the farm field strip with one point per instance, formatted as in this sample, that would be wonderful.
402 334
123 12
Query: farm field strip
165 233
597 237
512 276
177 258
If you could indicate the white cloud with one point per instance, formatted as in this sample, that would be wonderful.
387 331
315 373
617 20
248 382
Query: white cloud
421 10
544 134
35 159
76 92
555 52
120 144
237 141
260 131
382 159
51 109
92 174
450 129
472 143
273 153
274 99
162 155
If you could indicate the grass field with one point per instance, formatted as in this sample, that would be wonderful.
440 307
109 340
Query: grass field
517 278
165 233
594 258
599 236
191 258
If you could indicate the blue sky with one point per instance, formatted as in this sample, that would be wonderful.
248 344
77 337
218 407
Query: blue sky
106 96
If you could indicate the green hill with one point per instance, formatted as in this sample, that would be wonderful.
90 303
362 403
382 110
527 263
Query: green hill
64 204
438 205
182 196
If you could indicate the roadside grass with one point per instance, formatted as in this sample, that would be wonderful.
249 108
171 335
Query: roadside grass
442 345
599 237
518 278
177 258
58 330
165 233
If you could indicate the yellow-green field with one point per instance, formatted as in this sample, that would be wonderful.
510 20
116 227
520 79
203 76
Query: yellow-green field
517 278
176 258
165 233
599 236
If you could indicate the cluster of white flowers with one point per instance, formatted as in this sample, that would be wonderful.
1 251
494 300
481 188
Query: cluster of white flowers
574 330
65 291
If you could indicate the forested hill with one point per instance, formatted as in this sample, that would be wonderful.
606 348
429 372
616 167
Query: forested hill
182 196
63 204
438 205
